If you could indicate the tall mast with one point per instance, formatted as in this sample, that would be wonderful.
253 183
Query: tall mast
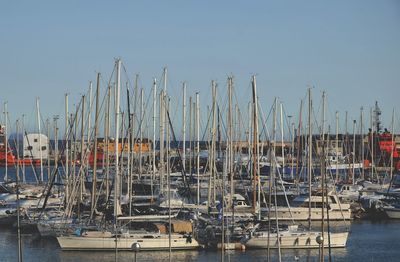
198 146
18 203
6 140
393 146
299 140
40 140
55 141
96 128
337 146
362 142
372 145
249 117
292 151
67 182
23 162
230 139
89 119
323 170
354 152
116 146
191 133
255 143
184 128
48 155
154 133
141 131
282 142
309 166
162 116
167 104
81 169
107 141
211 184
129 165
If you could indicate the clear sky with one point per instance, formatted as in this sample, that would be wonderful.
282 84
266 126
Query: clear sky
351 49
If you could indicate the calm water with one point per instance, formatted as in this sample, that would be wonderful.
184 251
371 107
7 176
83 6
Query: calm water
369 241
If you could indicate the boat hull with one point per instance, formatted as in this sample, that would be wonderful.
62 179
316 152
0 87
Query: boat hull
393 213
160 242
302 214
304 240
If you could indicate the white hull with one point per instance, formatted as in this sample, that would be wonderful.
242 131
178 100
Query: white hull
393 213
334 167
302 214
296 240
146 241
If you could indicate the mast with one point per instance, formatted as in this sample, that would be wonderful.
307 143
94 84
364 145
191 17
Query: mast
167 104
362 142
163 95
116 146
299 153
282 142
323 170
309 166
40 140
81 169
48 155
67 182
337 146
211 184
354 151
191 134
89 120
255 143
6 141
96 128
18 204
272 161
141 131
107 141
198 146
55 141
393 147
249 117
162 116
154 134
372 145
292 152
230 141
23 162
131 143
184 129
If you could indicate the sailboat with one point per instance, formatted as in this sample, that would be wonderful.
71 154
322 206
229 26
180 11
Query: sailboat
299 210
156 239
292 236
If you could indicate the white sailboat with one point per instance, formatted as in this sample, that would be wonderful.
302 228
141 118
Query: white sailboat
292 237
299 209
98 240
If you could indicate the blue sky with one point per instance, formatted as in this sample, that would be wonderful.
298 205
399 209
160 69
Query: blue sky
350 49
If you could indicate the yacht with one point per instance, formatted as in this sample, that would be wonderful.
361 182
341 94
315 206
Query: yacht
299 209
293 237
149 240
